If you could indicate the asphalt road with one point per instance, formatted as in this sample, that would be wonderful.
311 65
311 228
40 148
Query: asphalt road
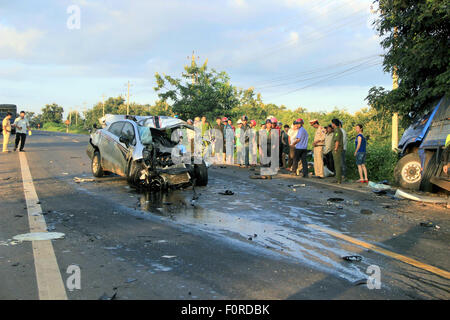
263 242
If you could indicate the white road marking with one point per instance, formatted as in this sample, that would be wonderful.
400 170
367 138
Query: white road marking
49 280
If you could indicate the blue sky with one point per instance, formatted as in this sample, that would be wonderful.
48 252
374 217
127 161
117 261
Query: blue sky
314 54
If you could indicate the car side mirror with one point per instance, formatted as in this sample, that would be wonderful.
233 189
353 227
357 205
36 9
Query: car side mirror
124 140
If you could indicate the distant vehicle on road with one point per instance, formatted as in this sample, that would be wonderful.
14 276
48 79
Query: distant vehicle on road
140 149
421 147
4 109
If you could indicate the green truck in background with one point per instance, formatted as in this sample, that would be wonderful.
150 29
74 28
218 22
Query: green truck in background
4 109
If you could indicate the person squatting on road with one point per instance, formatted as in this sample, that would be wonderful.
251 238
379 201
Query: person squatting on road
337 149
301 145
360 154
318 144
6 128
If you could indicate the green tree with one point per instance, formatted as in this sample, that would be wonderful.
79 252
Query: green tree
199 92
415 34
52 113
161 108
112 106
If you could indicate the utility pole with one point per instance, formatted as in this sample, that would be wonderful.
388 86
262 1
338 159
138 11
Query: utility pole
103 104
395 115
128 97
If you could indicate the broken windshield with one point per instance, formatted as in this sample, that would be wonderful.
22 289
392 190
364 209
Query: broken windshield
145 135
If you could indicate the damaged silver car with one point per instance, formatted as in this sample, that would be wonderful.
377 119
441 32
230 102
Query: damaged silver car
141 148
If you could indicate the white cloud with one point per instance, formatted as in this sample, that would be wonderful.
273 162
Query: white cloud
242 4
293 37
15 43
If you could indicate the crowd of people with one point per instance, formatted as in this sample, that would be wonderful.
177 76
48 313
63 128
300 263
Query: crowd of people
329 145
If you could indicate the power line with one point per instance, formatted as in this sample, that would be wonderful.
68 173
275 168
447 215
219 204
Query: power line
330 29
269 82
333 76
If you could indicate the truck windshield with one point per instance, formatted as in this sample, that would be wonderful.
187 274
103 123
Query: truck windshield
145 135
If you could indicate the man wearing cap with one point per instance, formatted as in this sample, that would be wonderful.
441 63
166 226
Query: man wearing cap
301 145
218 127
318 144
245 132
292 133
338 141
228 134
284 145
237 135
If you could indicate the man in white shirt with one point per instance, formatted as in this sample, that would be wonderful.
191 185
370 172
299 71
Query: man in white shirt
22 125
344 138
292 133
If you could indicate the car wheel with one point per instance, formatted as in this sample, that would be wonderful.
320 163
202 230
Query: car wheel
96 165
407 172
134 171
201 174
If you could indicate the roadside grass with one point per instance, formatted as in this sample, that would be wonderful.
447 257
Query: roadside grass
59 127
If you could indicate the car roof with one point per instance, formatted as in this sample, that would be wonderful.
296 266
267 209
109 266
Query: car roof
156 122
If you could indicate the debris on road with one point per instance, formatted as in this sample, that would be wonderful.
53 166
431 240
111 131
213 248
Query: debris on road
405 195
227 193
168 257
379 186
78 180
296 185
36 236
130 280
104 296
330 212
366 211
427 224
352 258
335 199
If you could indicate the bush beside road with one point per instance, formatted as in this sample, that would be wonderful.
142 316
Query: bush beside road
59 127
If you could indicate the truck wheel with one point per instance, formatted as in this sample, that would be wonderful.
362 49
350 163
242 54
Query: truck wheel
430 171
96 165
407 172
201 175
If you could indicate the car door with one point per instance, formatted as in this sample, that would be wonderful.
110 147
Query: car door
108 147
124 151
